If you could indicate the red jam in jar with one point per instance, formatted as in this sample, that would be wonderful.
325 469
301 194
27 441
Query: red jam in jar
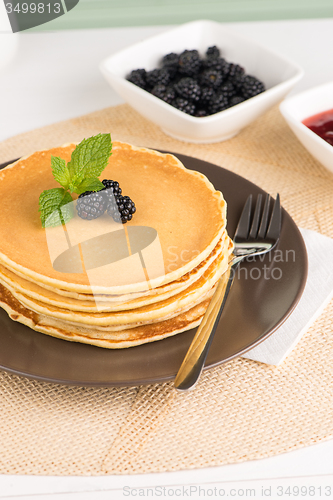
322 125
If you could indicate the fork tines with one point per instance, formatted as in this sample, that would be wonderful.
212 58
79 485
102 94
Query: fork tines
262 226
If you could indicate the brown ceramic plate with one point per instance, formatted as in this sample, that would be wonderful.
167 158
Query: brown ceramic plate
262 297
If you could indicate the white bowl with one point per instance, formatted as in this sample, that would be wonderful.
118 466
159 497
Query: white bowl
306 104
278 74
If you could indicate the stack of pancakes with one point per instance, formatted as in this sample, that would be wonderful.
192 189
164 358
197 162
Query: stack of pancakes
104 283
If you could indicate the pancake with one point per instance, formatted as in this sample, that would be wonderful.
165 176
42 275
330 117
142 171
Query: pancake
109 284
21 286
119 340
144 314
182 206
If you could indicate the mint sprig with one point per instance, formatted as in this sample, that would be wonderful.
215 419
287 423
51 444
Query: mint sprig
55 208
80 174
90 184
89 159
60 171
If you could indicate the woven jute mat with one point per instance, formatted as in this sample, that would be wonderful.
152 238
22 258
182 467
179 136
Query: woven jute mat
240 411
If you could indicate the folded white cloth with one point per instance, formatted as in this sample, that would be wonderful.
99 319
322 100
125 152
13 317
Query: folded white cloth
317 293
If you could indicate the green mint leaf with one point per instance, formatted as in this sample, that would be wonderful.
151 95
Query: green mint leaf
89 159
55 207
60 171
90 184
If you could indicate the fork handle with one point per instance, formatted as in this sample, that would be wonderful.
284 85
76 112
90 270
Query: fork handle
193 363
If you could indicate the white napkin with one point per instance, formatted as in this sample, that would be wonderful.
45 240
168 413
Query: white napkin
317 293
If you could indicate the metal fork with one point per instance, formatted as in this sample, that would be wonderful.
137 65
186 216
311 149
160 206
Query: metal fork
257 239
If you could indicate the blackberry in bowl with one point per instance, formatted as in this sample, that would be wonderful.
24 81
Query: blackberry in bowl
217 61
197 85
188 88
189 63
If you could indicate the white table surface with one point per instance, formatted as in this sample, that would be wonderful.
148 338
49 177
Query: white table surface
54 76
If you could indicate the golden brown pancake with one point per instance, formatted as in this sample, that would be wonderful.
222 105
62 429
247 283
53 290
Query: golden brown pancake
59 281
144 314
188 214
112 340
23 287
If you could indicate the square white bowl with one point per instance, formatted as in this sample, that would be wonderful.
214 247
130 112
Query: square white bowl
278 74
306 104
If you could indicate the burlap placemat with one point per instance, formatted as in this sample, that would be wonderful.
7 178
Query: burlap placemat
239 411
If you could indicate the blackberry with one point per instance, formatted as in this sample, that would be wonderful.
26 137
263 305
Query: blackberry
111 192
111 188
227 89
167 94
213 52
188 88
235 69
218 64
170 62
184 105
170 59
218 103
157 77
121 209
207 93
237 99
189 63
211 78
237 80
138 77
251 87
91 205
236 75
